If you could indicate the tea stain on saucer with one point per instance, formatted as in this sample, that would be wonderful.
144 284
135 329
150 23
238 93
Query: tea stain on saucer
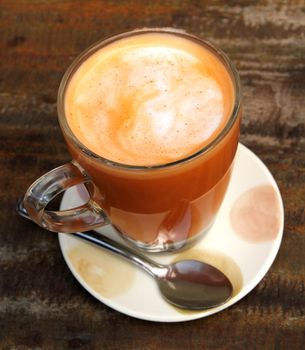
256 214
106 274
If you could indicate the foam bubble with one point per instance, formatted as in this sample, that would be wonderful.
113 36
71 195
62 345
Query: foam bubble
145 105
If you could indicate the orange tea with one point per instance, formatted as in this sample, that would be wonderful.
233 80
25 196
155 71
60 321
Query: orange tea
151 118
148 100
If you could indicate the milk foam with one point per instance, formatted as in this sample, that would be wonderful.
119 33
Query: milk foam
147 102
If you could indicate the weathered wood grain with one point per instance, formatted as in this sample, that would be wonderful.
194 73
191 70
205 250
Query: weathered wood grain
41 304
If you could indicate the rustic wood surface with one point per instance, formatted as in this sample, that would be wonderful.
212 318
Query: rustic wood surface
42 306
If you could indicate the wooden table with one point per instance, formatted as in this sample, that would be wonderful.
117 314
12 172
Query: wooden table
42 306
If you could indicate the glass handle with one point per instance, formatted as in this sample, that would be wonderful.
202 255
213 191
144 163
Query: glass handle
47 187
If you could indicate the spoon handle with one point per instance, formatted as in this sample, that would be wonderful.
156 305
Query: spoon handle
129 254
111 245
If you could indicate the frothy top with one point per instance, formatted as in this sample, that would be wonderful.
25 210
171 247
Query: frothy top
149 99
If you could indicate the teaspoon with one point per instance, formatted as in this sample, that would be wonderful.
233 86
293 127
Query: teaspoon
187 284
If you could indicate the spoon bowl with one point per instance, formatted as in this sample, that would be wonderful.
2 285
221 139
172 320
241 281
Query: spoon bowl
187 284
192 284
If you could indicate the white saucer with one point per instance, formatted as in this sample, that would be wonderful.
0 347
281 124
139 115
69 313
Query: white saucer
244 256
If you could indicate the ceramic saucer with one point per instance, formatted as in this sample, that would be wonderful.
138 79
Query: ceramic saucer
243 242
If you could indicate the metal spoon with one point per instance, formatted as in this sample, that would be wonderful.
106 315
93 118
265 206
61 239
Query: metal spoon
187 284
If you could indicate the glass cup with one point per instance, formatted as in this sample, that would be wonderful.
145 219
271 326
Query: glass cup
156 208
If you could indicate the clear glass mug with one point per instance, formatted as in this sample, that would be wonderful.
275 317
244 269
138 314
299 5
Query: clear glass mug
156 208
